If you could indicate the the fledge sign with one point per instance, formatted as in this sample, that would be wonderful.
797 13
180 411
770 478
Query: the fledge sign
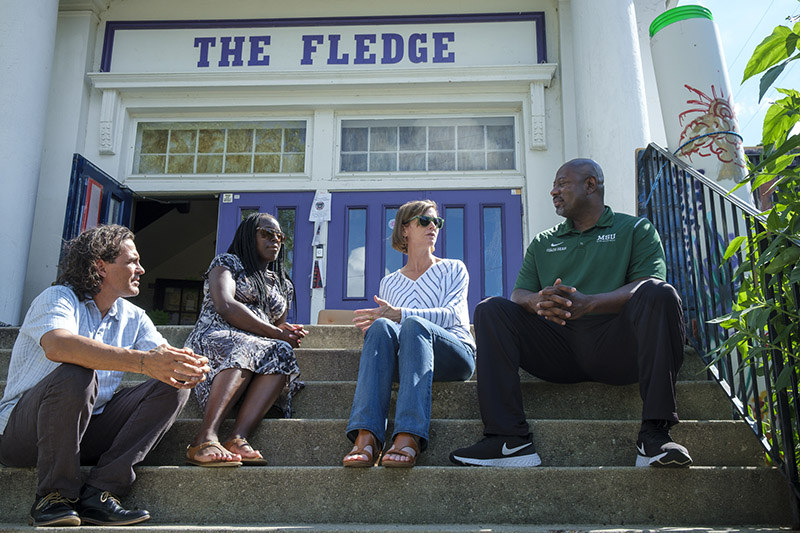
171 47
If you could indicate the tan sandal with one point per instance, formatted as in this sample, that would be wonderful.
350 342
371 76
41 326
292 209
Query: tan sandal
192 451
247 461
406 445
366 444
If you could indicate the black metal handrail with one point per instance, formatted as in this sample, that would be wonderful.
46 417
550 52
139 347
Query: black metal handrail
697 219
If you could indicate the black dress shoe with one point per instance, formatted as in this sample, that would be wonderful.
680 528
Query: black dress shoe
101 508
54 510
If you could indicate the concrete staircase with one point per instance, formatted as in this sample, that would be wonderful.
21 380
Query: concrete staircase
584 433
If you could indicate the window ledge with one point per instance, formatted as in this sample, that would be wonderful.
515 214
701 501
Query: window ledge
542 74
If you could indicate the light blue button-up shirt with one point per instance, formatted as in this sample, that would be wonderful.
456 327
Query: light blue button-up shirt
57 307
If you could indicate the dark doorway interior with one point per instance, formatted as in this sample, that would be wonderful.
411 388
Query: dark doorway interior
176 239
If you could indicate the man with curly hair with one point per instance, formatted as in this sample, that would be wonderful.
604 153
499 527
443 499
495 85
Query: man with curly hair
61 406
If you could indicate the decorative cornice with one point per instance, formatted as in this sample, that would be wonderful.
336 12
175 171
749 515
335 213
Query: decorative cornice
541 74
538 136
115 86
110 110
95 6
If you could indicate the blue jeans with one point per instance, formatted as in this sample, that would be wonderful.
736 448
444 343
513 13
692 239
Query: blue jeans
415 355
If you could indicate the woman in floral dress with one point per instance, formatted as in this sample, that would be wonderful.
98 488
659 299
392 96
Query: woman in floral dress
243 332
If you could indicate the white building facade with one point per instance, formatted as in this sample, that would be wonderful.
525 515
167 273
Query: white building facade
179 117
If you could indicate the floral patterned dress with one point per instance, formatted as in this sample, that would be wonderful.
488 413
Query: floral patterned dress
229 347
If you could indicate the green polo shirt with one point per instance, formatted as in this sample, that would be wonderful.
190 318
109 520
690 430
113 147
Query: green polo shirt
615 251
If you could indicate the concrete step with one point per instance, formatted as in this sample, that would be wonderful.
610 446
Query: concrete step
327 337
397 528
319 336
341 364
585 434
699 400
333 399
315 364
570 443
7 336
698 496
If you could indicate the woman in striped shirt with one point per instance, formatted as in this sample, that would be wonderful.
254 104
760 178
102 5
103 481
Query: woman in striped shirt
418 333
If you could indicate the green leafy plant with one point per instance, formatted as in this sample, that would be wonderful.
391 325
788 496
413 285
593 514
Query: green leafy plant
158 317
765 316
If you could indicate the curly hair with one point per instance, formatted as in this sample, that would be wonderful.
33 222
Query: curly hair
404 215
78 267
244 247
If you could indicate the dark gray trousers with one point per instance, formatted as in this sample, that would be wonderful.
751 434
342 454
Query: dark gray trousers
643 343
52 428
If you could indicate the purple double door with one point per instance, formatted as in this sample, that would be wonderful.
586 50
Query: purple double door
483 228
291 209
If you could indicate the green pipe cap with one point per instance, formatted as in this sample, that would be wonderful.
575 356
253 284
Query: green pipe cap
677 14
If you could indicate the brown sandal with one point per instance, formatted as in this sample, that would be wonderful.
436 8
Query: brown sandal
406 445
247 461
366 444
192 451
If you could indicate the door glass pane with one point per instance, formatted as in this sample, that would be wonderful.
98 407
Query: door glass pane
114 210
246 212
394 259
286 219
356 242
454 232
492 251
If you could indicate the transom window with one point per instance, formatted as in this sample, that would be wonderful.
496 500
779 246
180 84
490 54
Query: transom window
428 145
269 147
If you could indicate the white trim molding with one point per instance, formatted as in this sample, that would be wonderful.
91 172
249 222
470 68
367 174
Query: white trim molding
542 74
95 6
114 87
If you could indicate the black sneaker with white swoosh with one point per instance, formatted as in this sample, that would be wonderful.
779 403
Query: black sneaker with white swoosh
656 447
498 450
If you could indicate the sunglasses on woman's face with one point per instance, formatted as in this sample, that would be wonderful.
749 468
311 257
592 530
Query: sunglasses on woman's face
424 220
271 234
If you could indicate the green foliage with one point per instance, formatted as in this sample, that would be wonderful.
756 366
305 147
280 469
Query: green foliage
158 317
781 118
764 320
774 53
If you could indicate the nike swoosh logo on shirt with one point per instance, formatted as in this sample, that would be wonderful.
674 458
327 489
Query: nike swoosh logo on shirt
511 451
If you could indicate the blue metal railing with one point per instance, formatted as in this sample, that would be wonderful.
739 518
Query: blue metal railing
696 219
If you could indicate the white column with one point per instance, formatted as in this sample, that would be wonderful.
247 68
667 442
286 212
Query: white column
646 12
27 37
65 133
609 94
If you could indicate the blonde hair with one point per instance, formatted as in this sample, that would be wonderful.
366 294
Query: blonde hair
405 213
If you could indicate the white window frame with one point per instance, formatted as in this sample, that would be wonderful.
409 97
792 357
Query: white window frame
214 181
517 171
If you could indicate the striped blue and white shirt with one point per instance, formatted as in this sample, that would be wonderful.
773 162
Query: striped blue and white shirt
57 307
439 295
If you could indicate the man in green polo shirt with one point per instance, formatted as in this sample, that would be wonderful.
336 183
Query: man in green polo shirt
590 304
